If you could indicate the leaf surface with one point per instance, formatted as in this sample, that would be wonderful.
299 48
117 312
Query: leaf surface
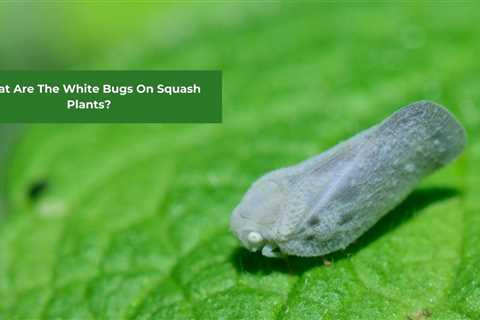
133 222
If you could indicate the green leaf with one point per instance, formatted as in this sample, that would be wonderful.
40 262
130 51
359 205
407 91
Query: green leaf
132 222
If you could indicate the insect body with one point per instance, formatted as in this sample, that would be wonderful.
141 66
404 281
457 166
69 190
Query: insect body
326 202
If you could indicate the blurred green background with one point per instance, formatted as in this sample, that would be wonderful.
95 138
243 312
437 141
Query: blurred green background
131 221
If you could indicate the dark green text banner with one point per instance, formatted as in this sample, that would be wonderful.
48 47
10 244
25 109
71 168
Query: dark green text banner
110 96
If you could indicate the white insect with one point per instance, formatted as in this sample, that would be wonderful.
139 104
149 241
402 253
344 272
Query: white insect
326 202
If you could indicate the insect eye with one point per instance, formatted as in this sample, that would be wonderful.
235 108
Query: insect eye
254 237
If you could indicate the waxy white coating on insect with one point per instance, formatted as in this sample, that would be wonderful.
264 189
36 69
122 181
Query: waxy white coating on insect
326 202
